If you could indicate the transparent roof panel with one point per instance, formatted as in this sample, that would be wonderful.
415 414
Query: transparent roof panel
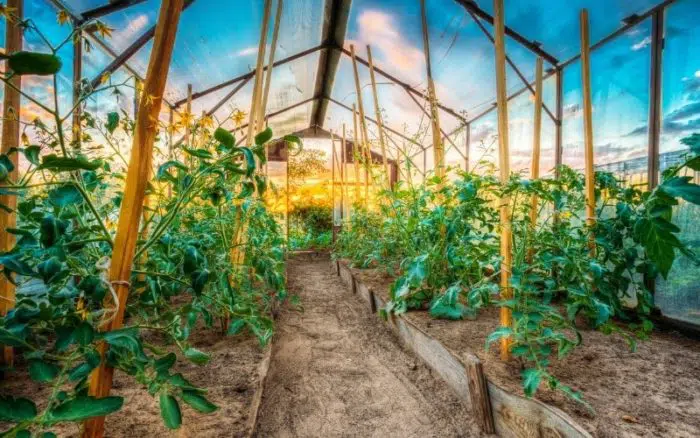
556 24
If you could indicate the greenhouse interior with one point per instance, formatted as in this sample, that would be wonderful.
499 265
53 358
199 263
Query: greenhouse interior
335 218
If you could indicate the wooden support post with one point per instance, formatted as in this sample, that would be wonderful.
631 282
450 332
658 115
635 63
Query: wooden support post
145 131
504 164
537 135
588 124
10 140
467 143
363 123
77 86
270 63
138 85
438 148
188 115
479 395
346 178
254 123
333 178
378 115
356 153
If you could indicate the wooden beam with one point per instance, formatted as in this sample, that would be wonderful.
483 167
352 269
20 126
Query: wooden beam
588 123
559 134
470 5
12 102
145 131
335 24
109 8
504 167
247 76
228 96
130 51
403 84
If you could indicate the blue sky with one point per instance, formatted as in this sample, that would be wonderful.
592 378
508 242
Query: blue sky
217 42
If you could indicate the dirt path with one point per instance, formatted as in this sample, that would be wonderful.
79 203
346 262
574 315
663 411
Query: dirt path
337 371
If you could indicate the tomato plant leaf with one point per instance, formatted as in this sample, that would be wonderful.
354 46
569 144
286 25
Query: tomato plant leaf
531 380
170 411
198 402
196 356
41 371
263 137
83 407
16 409
112 122
55 163
225 137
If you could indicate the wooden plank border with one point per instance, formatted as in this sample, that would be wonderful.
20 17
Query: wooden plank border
495 408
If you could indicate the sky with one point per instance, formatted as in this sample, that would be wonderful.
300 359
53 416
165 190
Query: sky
217 42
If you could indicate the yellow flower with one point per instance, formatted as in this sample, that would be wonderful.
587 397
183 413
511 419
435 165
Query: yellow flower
105 77
566 215
104 30
25 139
238 117
63 17
207 122
7 12
186 119
81 310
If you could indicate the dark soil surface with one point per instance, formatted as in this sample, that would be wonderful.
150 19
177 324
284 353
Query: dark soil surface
231 378
653 392
336 370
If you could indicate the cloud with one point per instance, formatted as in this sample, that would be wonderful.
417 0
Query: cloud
135 26
684 112
642 44
248 51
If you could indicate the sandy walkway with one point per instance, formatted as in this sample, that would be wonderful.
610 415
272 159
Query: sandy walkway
337 371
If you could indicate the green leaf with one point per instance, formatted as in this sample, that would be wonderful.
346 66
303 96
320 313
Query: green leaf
501 332
170 411
112 122
249 159
295 140
16 409
84 407
14 263
196 356
235 327
33 63
531 380
199 280
263 137
66 195
55 163
193 260
41 371
198 402
682 187
225 137
163 169
199 153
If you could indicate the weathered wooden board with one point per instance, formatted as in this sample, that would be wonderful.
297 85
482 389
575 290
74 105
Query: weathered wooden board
513 416
263 370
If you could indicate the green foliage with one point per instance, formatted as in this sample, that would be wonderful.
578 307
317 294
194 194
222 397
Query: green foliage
442 243
69 199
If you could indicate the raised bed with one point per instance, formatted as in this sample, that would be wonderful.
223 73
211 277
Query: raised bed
499 410
651 392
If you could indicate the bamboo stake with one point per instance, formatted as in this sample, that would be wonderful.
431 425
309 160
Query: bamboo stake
134 191
504 158
10 140
188 115
588 124
363 123
537 135
438 147
378 114
271 61
253 123
333 179
356 154
77 77
343 171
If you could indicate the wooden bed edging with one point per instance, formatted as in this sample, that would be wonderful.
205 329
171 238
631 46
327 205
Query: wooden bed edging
263 369
495 409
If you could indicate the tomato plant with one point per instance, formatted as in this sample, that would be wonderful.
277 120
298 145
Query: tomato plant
69 192
441 241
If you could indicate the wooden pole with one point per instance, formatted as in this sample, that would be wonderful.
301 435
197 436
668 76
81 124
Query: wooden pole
438 148
271 62
363 123
77 77
254 123
188 115
378 114
145 131
356 154
346 178
10 140
333 178
504 164
588 124
537 135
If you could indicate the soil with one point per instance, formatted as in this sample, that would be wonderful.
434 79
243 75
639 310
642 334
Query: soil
336 370
652 392
231 378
